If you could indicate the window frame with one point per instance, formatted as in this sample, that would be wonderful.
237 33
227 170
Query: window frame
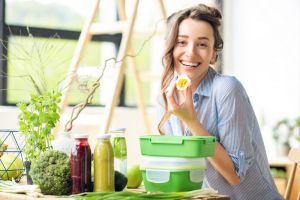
7 30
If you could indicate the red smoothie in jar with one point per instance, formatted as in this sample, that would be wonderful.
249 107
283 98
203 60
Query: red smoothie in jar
81 158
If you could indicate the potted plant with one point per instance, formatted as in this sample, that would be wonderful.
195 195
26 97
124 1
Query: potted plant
36 120
38 69
285 132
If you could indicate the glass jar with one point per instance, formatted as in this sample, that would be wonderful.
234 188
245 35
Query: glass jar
120 150
104 175
63 142
81 164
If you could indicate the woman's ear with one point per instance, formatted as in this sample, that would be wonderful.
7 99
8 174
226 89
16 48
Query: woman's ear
214 58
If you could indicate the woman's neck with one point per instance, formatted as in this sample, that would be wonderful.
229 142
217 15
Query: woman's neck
197 81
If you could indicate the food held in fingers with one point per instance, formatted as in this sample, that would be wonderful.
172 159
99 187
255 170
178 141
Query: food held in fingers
182 82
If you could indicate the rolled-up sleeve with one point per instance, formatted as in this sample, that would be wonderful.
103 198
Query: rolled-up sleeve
241 163
235 116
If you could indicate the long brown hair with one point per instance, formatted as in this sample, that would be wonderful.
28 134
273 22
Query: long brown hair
200 12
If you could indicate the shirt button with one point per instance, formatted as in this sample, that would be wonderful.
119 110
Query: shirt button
195 98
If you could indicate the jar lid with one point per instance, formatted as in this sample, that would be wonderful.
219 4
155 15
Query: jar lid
117 130
103 136
64 133
81 135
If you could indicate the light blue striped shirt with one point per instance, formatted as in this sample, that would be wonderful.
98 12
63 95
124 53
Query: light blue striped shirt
224 109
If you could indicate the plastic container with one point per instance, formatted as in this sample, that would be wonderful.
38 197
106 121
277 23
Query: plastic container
172 163
178 146
169 174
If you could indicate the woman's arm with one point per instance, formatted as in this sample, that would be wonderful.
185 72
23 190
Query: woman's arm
221 161
184 110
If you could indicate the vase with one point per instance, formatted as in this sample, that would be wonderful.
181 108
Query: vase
27 165
283 149
63 142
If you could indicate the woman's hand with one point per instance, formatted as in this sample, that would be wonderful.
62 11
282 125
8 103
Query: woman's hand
183 107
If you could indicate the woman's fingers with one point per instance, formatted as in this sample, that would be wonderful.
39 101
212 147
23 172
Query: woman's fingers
172 104
182 106
189 94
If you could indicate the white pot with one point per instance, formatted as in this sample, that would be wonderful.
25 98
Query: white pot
63 142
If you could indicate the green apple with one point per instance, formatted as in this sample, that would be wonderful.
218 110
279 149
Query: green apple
11 166
134 175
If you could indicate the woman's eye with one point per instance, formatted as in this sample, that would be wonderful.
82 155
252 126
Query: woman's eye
181 43
202 45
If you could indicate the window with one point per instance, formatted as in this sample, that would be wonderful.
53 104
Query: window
39 38
56 25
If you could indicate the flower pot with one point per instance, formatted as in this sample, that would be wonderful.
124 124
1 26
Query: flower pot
27 165
283 149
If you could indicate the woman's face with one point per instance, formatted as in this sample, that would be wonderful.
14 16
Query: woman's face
194 49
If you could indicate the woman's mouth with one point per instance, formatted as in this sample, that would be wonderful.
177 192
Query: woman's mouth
189 64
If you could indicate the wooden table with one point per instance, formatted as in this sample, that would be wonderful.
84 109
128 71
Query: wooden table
10 196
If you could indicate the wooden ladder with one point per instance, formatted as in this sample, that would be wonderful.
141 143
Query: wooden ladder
126 27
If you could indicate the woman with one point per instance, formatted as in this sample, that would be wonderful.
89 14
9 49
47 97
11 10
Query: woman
213 104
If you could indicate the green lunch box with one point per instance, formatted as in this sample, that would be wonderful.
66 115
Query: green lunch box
172 181
170 174
178 146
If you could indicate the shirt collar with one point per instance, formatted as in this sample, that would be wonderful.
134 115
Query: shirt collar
204 88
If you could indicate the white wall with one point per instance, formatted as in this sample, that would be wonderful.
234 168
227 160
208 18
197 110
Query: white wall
262 48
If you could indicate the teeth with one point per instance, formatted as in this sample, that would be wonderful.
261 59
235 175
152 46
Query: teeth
189 64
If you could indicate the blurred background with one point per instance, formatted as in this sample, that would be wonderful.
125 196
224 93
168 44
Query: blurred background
262 48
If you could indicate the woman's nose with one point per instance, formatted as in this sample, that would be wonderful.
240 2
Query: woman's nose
191 50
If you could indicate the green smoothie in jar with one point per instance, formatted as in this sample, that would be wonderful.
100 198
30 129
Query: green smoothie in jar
104 178
120 150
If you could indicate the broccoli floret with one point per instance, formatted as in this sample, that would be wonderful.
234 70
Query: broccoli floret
51 171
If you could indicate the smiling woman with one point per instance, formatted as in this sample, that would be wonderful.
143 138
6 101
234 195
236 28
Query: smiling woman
194 49
212 105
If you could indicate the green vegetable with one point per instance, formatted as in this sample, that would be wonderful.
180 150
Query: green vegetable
13 187
127 195
120 181
51 172
36 121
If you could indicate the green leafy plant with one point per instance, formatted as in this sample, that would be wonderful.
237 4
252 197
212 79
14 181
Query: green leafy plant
36 61
36 121
286 130
278 173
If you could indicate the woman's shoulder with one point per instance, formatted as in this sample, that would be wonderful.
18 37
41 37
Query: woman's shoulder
225 84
